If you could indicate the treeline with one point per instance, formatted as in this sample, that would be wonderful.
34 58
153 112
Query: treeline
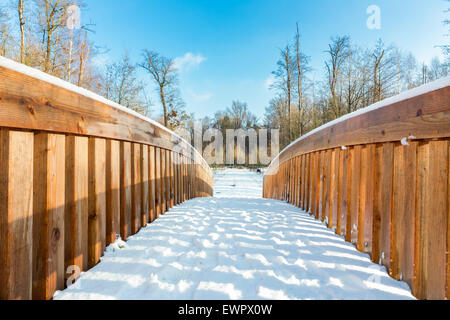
354 77
50 36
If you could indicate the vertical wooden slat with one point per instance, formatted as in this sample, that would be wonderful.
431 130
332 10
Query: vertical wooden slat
144 185
403 212
171 179
315 185
16 218
77 205
176 176
305 175
136 188
158 184
432 219
448 224
152 184
309 172
384 160
365 214
112 190
342 188
355 176
333 192
97 200
48 215
326 186
167 183
181 178
125 189
322 184
163 183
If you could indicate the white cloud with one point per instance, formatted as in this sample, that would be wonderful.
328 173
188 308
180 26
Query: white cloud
188 61
201 97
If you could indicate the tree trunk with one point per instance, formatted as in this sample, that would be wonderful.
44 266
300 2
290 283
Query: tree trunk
22 31
163 102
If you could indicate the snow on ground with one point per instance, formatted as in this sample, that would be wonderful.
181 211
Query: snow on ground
235 246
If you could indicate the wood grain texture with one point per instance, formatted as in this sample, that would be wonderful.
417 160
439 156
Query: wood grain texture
342 188
76 199
365 211
48 215
403 213
432 220
16 219
112 190
382 205
144 186
152 184
136 188
353 199
97 200
163 181
125 190
158 184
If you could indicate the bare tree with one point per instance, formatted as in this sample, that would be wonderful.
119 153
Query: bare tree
122 86
4 31
164 74
53 15
302 68
284 80
338 52
384 71
20 11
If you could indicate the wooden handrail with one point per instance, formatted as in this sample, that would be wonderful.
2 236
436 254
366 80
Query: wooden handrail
380 176
76 171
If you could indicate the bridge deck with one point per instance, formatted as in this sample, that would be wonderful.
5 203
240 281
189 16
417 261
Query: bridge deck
236 246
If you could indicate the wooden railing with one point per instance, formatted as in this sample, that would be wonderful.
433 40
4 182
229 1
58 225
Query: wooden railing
380 177
76 171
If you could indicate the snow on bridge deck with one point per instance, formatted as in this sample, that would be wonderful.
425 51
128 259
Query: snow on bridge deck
236 246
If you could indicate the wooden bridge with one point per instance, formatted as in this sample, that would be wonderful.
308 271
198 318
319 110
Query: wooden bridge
380 177
77 170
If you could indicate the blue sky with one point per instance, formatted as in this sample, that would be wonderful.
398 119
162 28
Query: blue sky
227 49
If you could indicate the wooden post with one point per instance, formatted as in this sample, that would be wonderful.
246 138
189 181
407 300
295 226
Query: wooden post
112 190
125 189
48 215
171 179
432 220
152 184
144 185
167 182
365 212
76 198
97 200
355 173
16 218
136 188
163 181
404 212
158 184
382 205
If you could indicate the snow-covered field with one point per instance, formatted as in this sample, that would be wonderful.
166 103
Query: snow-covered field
235 246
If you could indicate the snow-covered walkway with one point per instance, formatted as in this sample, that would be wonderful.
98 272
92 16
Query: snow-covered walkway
236 246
